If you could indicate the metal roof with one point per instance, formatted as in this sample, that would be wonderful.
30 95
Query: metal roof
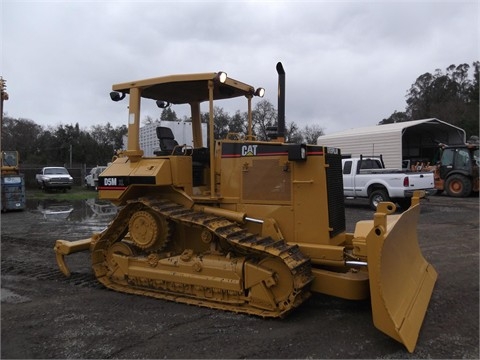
394 141
388 128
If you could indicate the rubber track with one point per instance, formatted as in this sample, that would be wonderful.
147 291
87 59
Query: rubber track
237 237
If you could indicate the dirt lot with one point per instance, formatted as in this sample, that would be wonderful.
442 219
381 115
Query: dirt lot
44 315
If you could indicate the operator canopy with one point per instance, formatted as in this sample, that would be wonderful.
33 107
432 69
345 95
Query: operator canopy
188 88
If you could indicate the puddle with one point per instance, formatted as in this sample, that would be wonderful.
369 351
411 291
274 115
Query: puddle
8 296
76 211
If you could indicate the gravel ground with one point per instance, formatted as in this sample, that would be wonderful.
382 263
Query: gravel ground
44 315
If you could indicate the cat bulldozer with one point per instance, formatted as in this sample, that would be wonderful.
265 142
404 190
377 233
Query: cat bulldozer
244 225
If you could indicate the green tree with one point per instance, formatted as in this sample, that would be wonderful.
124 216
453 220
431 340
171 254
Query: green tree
82 151
470 120
67 144
168 115
397 116
45 150
238 123
107 140
58 145
451 96
221 121
21 135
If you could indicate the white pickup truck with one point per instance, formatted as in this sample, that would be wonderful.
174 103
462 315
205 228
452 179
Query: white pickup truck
367 177
51 178
91 180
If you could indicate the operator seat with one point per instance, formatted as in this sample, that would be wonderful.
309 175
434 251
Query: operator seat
167 142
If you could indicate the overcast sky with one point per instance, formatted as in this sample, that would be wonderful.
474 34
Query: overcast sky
348 63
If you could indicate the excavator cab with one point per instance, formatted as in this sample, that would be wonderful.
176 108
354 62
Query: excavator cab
245 225
457 172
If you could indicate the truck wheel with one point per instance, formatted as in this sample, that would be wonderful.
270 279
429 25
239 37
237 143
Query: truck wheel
405 203
376 197
458 186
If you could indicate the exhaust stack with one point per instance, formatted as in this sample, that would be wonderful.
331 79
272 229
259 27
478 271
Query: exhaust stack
281 103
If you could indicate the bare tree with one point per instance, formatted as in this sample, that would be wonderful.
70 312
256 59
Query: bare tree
311 133
148 120
263 116
293 134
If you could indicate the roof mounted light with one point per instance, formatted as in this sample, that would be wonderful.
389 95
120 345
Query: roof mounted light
260 92
221 77
162 104
116 96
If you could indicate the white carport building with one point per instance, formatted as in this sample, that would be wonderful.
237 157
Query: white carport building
398 143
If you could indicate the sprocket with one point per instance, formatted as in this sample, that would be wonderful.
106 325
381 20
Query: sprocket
149 231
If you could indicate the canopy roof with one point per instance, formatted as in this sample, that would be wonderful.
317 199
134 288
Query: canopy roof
399 127
186 88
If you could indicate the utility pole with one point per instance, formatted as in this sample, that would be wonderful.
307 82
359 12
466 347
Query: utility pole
3 96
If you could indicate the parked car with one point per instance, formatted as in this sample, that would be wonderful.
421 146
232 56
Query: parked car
91 180
54 178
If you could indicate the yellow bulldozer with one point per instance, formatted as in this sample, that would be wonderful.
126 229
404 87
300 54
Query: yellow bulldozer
245 225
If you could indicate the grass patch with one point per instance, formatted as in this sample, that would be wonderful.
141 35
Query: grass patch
76 193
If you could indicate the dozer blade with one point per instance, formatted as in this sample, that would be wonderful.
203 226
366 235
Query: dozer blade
64 247
401 280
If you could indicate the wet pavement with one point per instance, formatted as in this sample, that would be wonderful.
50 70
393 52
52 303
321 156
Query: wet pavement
45 315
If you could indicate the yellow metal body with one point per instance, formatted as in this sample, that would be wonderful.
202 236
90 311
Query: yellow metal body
10 161
252 227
